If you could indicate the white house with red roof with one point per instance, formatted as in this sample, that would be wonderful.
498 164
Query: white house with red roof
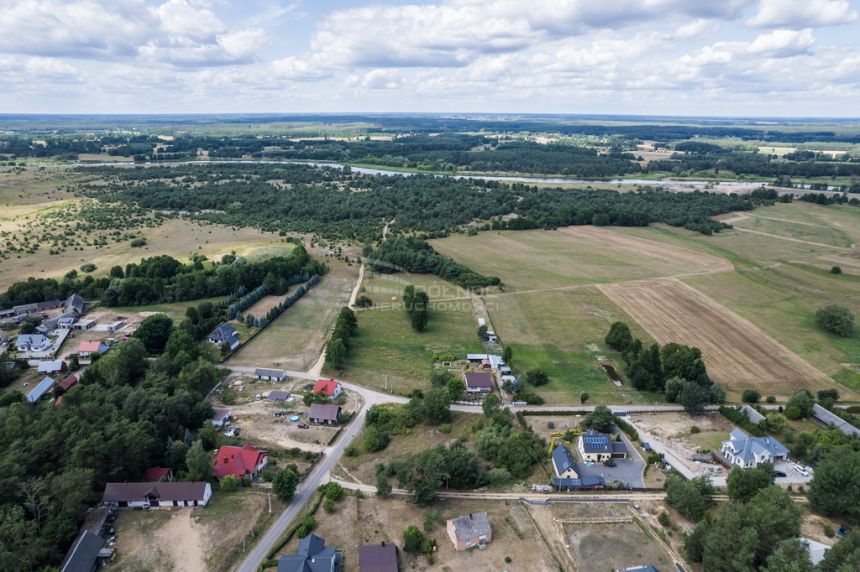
88 349
245 461
328 387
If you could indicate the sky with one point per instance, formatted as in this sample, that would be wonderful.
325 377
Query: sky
790 58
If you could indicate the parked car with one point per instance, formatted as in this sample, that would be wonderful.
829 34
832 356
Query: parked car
779 474
302 426
842 531
609 463
803 471
232 432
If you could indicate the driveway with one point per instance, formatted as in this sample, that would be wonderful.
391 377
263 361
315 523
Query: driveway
625 470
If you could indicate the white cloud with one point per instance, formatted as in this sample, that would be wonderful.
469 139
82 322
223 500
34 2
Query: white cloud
783 43
802 13
376 79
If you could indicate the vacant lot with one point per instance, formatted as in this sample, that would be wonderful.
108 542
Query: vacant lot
296 338
387 354
371 520
387 289
562 333
539 259
737 353
675 431
205 539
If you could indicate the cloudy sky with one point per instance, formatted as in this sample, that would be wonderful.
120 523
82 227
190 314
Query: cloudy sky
667 57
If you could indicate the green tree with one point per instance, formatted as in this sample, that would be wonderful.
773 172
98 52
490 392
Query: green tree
414 540
775 516
804 403
583 397
693 397
229 484
374 439
383 487
199 463
601 419
336 353
437 406
790 556
507 354
835 487
750 396
844 556
124 365
691 498
743 484
836 320
456 388
154 331
285 482
730 545
537 377
694 542
420 308
619 337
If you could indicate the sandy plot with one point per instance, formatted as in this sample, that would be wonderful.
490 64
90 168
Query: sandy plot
606 238
161 542
737 353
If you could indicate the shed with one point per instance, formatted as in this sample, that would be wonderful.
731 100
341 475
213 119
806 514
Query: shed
37 392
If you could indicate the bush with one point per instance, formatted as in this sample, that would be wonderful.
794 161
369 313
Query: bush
508 560
771 399
229 484
828 531
329 505
750 396
351 451
138 242
363 302
375 440
537 377
88 267
306 526
835 270
694 430
836 320
663 519
414 541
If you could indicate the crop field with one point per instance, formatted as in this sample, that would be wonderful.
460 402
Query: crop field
561 332
388 355
296 338
538 260
737 353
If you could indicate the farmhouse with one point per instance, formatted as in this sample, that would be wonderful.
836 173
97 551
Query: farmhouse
270 374
32 343
51 366
224 333
41 389
563 464
747 452
596 447
378 558
328 387
87 349
471 530
25 309
312 556
245 461
278 395
156 495
220 417
478 382
320 414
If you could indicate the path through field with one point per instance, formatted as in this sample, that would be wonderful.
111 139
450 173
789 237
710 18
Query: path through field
738 354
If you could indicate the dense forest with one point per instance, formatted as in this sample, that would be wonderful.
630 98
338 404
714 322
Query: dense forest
161 279
344 205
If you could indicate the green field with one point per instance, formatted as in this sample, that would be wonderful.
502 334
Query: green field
175 310
388 355
387 289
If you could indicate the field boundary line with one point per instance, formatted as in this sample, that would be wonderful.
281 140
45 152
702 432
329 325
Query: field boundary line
801 241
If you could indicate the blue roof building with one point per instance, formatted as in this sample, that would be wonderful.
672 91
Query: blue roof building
37 392
312 556
748 452
563 463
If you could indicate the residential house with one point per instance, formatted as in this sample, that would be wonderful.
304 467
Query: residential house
592 483
328 387
74 303
32 343
40 390
221 417
62 321
157 475
68 382
748 452
51 366
478 382
83 554
323 414
596 447
35 307
278 395
378 558
312 556
470 530
270 374
245 461
224 333
86 350
563 464
157 495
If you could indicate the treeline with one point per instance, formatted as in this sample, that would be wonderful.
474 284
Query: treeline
343 205
415 255
675 370
162 279
126 414
339 344
706 157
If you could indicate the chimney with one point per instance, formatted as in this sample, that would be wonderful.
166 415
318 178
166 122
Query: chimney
383 543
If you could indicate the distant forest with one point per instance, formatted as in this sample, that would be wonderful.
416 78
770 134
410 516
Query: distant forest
339 204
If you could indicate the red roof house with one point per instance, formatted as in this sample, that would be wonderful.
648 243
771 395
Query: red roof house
328 387
156 474
246 461
68 382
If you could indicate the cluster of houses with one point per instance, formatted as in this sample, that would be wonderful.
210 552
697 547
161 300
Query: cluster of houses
592 447
465 532
487 368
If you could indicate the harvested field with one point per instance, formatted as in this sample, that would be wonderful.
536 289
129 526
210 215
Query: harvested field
737 353
572 256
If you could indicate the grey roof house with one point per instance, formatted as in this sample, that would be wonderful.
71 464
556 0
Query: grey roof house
37 392
324 414
747 452
32 342
563 463
312 556
225 333
470 530
378 558
270 374
278 395
74 303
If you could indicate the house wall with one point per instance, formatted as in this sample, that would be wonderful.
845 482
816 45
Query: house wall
568 474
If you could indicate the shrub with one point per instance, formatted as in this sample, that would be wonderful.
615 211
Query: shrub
694 430
351 450
750 396
835 270
663 519
306 526
88 267
229 484
138 242
375 440
537 377
508 560
836 320
828 530
329 505
770 399
363 302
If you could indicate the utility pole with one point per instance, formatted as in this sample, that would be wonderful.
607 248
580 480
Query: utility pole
269 495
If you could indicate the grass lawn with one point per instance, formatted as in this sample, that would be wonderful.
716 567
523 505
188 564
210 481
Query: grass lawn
388 355
175 310
712 440
387 289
